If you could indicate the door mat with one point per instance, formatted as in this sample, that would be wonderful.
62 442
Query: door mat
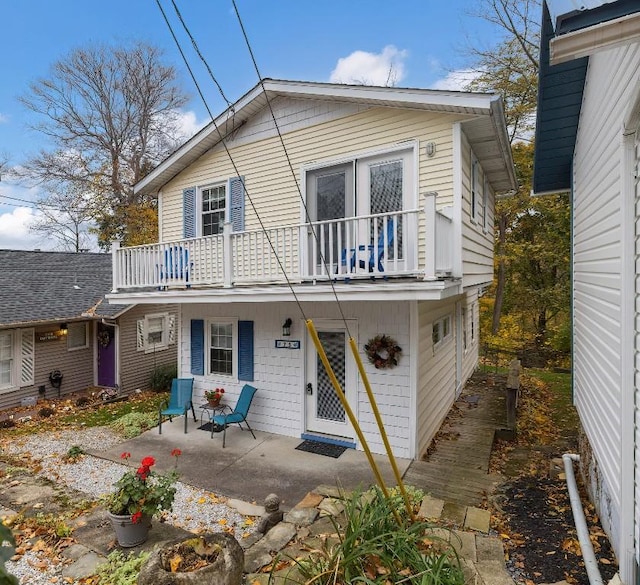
326 449
207 427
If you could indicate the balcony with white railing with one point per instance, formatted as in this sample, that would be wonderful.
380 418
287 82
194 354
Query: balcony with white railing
415 242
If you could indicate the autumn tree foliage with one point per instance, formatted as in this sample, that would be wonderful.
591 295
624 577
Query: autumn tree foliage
529 302
110 114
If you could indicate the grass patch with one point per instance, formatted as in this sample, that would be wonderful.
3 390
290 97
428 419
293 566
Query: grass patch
105 414
133 424
562 412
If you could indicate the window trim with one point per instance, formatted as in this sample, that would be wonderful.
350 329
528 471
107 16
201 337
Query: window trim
12 333
233 321
166 333
86 336
477 193
441 329
199 202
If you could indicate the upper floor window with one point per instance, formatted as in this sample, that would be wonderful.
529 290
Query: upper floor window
77 336
478 196
214 204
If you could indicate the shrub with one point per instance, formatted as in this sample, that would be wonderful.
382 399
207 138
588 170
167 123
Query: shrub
134 423
7 543
372 547
162 376
46 412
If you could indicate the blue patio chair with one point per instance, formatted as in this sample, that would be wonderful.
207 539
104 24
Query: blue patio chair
179 402
376 253
176 266
237 415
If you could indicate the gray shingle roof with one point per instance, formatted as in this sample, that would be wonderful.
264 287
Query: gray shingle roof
53 286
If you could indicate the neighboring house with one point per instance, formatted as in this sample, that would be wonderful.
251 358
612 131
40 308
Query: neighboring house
53 316
399 187
588 143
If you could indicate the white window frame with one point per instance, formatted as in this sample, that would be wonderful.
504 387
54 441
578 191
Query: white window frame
441 331
224 183
485 203
143 343
478 192
465 333
473 322
234 347
12 360
71 326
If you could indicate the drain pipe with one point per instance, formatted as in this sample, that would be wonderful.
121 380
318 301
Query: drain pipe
590 562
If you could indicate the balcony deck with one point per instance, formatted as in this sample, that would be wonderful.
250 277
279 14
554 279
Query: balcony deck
412 243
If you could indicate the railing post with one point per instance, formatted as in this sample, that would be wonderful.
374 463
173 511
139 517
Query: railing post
430 235
115 246
228 254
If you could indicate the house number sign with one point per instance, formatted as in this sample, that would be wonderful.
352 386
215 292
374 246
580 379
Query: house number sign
48 336
287 344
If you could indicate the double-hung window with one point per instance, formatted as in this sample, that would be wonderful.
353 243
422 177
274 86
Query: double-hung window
155 332
6 359
221 344
214 205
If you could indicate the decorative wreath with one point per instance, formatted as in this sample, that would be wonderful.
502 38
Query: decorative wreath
104 339
383 352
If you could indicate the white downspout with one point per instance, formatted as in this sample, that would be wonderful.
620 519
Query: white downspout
590 562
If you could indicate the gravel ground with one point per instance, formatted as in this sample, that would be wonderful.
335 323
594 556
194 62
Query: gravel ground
193 509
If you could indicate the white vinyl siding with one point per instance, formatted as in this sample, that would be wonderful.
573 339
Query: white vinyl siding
278 201
477 228
597 272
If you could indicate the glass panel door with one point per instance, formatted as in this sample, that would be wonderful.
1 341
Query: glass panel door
329 197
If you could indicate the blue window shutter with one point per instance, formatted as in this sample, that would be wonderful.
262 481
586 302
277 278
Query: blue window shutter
245 350
197 347
236 188
189 213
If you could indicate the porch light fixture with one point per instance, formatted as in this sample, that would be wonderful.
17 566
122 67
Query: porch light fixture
63 329
286 328
430 149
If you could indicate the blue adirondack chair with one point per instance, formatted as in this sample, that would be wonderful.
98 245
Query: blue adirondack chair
179 402
376 252
176 266
237 415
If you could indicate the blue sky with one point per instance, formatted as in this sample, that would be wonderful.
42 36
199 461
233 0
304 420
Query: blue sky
325 40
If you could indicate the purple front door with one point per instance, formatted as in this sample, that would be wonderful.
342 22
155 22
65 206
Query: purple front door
106 355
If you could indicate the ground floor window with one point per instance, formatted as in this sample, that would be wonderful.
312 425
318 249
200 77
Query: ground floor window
221 345
6 358
77 336
441 330
156 332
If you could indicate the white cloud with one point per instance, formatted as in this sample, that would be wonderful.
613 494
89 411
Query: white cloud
188 124
14 230
456 80
361 67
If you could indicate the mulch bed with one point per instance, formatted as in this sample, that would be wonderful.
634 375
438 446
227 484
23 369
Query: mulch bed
542 542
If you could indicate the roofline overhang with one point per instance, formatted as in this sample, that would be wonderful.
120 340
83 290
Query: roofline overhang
606 35
418 290
39 322
232 118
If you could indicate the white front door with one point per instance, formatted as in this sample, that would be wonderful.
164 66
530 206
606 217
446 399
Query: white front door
324 411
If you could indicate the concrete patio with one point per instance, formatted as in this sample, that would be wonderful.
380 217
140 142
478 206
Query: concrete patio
249 469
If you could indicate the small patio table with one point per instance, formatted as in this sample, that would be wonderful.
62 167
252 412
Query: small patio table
212 411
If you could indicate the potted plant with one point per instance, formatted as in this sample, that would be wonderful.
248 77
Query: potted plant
138 496
214 396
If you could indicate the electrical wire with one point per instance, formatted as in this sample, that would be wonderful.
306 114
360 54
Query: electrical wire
235 169
291 169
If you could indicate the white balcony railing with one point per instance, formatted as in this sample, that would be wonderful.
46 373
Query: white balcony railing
381 245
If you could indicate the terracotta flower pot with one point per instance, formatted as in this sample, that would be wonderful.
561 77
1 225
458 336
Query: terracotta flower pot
129 533
213 401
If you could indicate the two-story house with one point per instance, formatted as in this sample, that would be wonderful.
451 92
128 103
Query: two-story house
368 210
588 143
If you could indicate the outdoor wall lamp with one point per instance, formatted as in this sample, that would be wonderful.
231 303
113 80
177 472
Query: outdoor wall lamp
63 329
286 327
430 149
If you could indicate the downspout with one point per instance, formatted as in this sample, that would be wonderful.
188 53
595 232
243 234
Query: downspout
590 562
